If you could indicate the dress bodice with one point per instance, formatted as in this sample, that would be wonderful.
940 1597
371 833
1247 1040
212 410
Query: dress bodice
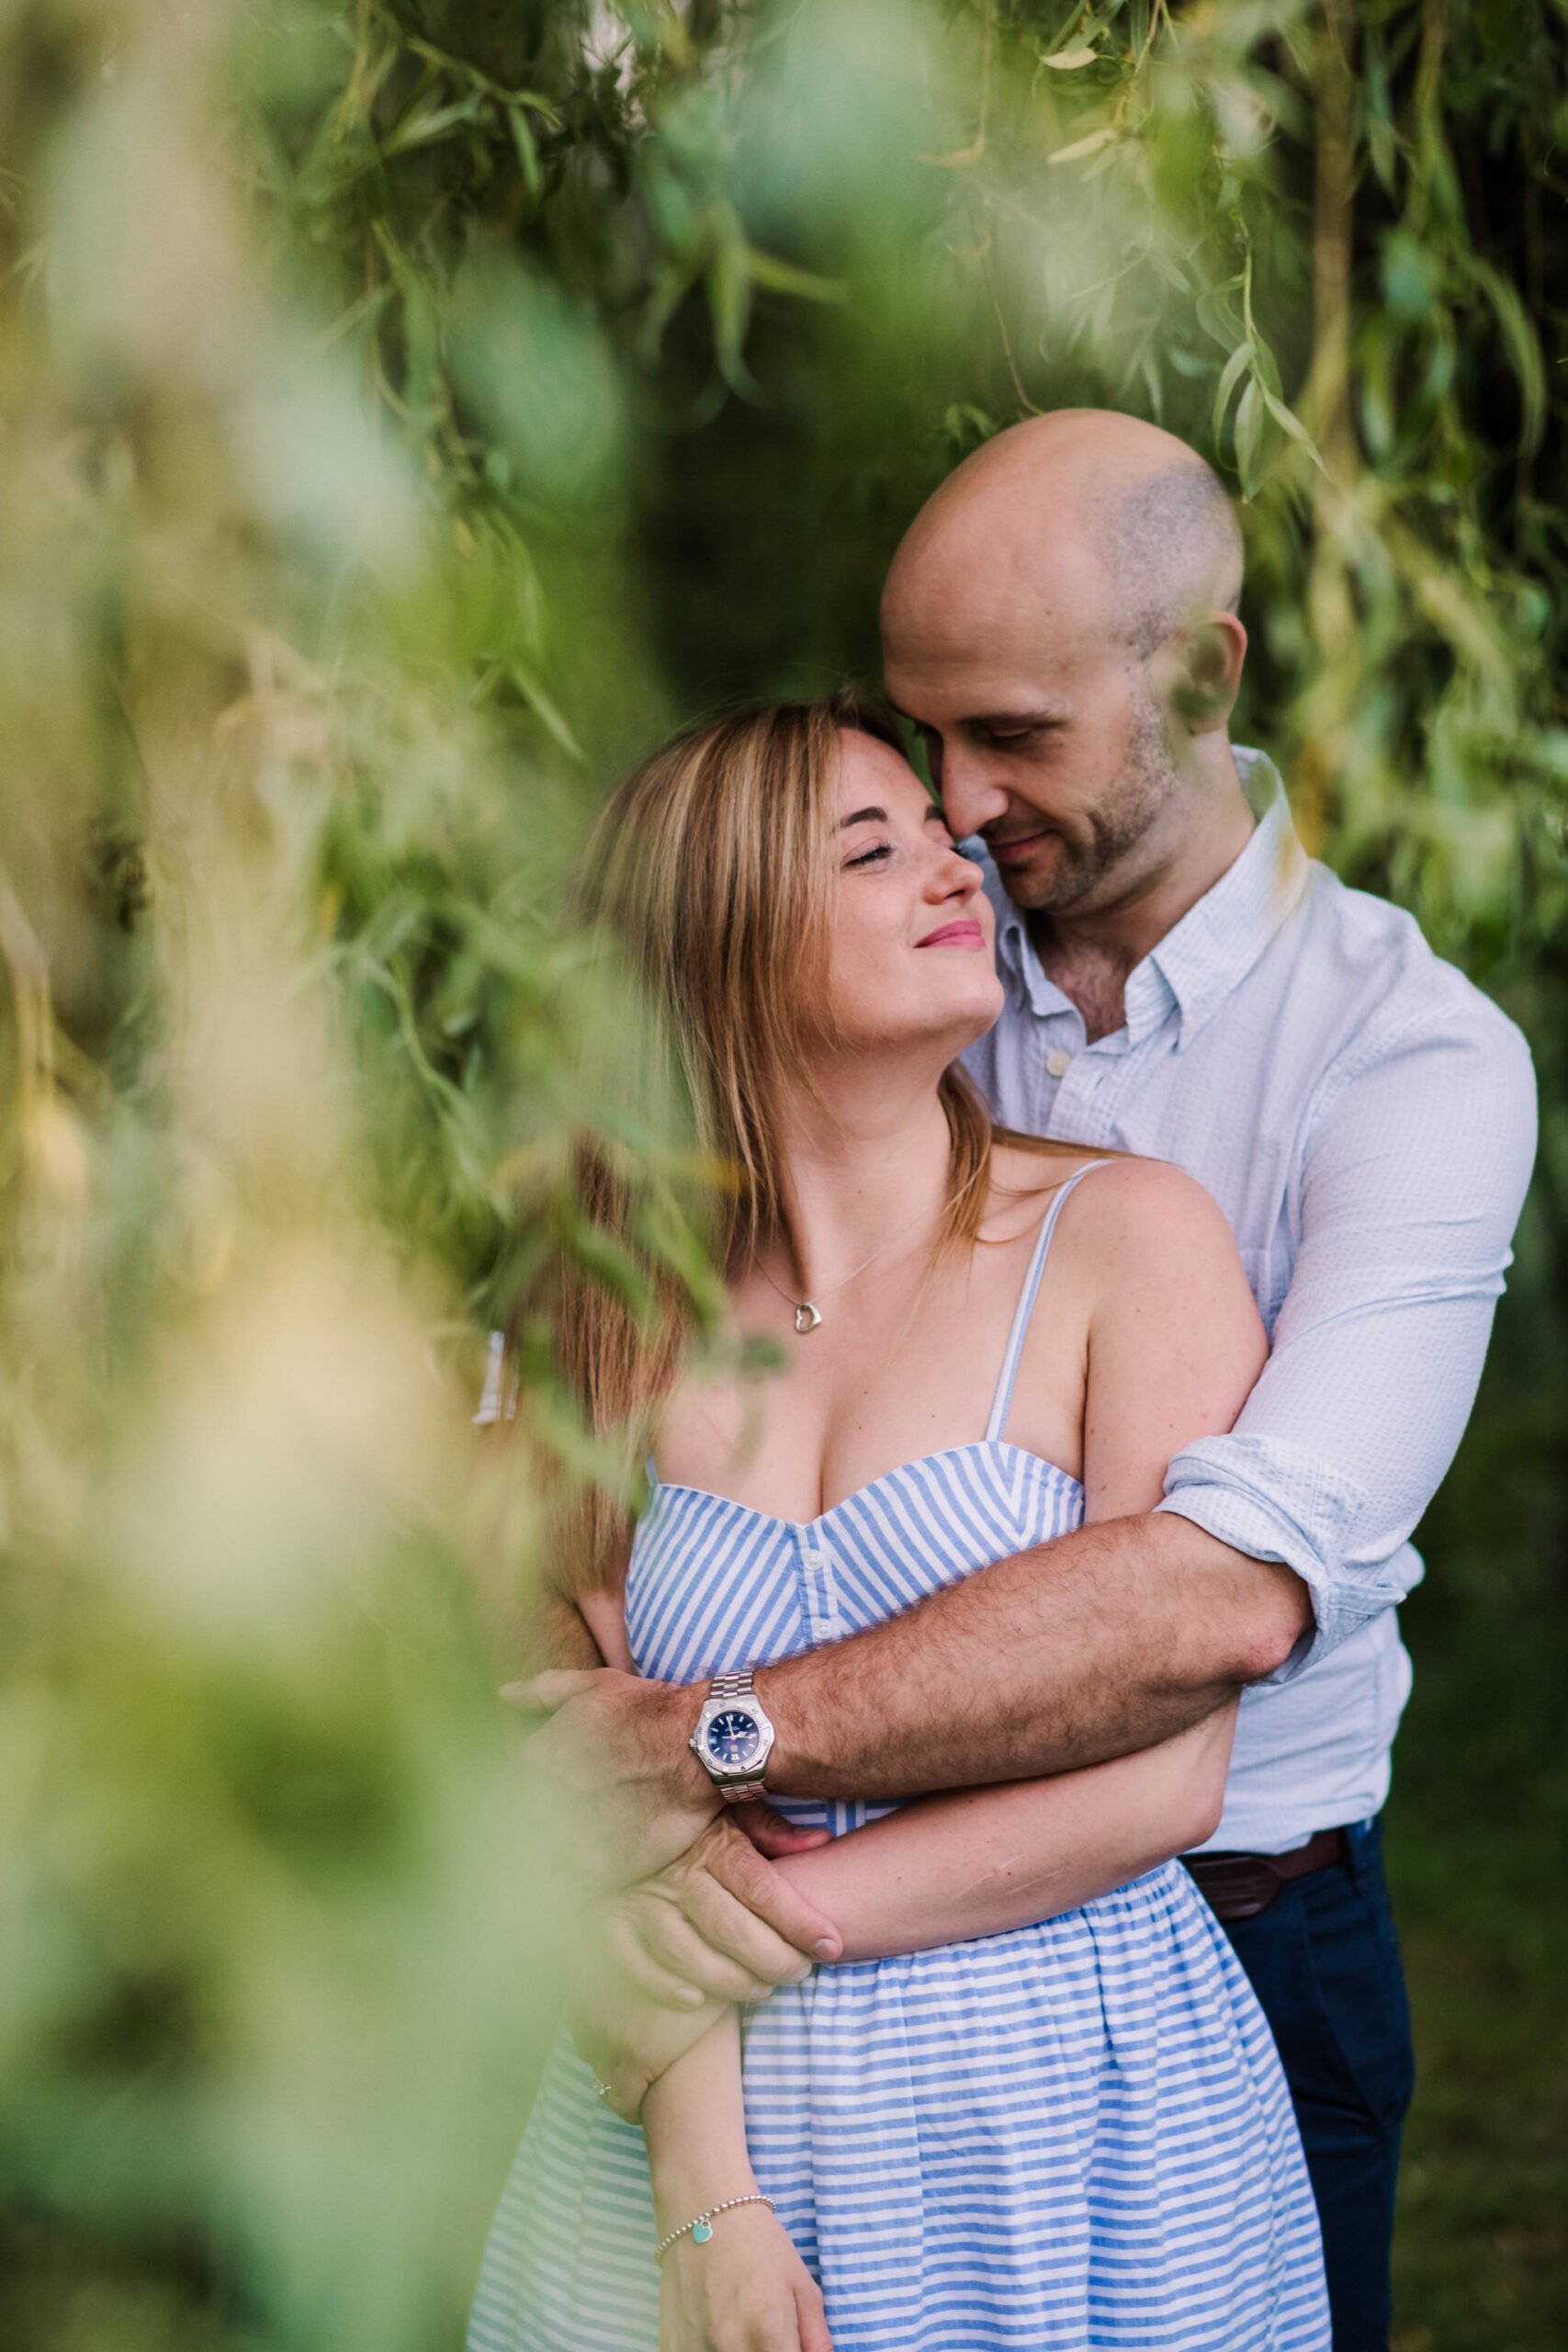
714 1585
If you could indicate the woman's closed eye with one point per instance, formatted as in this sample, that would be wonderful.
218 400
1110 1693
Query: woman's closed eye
873 857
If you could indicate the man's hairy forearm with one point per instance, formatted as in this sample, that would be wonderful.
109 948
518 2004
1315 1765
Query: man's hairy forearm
1105 1641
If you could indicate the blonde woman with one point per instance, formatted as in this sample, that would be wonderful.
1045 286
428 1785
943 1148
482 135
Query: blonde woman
1035 2103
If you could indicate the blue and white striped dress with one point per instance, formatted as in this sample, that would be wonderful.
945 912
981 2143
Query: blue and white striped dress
1076 2134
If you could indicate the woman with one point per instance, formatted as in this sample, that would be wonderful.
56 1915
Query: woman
1035 2102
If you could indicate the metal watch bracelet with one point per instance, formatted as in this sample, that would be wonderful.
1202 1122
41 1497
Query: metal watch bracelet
727 1688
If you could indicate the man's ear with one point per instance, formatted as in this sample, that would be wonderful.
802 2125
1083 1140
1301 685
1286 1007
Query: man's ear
1198 671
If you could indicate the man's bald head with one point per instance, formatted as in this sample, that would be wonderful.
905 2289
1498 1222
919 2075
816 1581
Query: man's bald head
1151 514
1060 622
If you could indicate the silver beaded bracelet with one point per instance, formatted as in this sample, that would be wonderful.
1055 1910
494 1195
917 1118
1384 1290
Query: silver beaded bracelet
701 2224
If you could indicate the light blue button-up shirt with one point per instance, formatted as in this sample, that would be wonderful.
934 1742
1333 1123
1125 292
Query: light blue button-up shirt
1366 1119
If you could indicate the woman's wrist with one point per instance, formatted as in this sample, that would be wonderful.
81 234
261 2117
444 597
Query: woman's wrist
695 2159
698 2227
682 2191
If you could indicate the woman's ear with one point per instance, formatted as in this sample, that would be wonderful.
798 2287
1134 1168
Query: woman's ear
1201 671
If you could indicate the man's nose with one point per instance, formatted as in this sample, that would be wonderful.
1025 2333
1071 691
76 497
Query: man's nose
970 799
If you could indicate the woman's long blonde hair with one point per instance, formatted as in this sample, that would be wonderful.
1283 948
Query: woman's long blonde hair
713 867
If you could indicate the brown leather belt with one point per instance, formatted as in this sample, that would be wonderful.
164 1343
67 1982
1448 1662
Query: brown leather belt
1237 1886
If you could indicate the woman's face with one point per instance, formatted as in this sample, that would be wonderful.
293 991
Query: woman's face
913 937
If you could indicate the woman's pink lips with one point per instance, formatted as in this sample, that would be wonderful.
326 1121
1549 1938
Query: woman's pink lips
954 934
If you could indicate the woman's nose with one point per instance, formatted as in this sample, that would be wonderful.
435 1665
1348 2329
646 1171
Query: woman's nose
953 875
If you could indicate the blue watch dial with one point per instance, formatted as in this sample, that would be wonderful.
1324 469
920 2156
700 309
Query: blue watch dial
733 1737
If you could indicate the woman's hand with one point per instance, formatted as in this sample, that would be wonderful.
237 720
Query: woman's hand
745 2291
629 2042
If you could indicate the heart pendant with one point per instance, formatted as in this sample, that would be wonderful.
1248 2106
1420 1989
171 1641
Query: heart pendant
807 1318
701 2232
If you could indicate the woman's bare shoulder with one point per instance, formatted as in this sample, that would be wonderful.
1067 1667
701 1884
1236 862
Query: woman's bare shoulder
1025 1182
1130 1204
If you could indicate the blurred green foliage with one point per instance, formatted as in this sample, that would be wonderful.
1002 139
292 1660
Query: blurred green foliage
410 410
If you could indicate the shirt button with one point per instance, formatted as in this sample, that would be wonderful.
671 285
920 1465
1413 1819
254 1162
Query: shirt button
1058 1063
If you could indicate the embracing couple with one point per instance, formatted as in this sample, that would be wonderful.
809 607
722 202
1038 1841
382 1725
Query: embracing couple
1129 1201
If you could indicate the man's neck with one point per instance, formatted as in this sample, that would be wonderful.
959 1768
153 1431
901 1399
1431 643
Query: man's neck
1089 954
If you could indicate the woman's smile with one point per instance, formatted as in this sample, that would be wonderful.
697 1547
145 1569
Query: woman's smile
966 933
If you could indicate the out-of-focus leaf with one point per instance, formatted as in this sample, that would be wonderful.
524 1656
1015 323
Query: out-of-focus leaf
1235 369
1520 343
1249 417
527 148
1089 145
783 277
531 686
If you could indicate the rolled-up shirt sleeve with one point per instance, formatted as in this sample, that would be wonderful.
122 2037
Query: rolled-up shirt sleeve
1413 1180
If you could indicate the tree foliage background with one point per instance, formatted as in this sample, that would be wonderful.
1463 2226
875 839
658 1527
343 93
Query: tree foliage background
410 412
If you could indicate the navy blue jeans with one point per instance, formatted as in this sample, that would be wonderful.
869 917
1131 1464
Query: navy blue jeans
1323 1960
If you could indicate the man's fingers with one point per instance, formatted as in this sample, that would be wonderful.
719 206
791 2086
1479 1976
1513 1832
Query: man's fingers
755 1883
772 1834
726 1923
660 1983
650 1972
541 1694
671 1944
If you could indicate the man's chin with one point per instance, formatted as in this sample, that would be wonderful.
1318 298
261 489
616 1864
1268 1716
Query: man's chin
1038 881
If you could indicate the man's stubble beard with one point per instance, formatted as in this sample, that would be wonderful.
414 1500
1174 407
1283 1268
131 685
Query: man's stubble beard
1147 783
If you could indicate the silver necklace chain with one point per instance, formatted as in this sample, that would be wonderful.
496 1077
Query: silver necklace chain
807 1311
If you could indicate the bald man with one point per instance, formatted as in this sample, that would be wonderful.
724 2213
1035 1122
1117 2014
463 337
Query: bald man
1061 626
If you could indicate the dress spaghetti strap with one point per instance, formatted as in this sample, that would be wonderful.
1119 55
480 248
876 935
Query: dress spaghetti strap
1026 1299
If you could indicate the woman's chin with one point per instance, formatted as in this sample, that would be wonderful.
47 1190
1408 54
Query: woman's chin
982 1024
984 1013
940 1044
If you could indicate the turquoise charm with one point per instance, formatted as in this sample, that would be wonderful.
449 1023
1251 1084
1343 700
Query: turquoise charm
701 2232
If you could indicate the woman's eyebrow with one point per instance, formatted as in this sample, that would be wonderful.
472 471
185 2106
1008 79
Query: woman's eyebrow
863 817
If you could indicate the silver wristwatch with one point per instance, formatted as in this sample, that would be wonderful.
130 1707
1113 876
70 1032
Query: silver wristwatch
734 1738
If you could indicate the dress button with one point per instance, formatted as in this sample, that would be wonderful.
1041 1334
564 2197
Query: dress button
1058 1063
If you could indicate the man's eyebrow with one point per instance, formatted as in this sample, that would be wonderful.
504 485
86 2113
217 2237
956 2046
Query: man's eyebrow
995 718
1050 715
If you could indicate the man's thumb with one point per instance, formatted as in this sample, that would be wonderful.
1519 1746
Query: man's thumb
773 1835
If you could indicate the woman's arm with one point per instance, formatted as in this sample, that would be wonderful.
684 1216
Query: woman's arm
693 2120
1174 1346
983 1860
745 2285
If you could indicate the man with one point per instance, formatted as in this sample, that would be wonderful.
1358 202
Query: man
1060 624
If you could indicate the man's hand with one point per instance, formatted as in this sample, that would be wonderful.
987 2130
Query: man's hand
719 1922
660 1961
616 1747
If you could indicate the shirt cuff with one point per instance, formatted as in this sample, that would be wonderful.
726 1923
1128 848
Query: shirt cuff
1275 1500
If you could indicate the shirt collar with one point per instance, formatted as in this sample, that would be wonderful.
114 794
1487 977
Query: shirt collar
1212 949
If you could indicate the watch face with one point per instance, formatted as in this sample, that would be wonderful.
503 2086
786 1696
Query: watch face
733 1737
